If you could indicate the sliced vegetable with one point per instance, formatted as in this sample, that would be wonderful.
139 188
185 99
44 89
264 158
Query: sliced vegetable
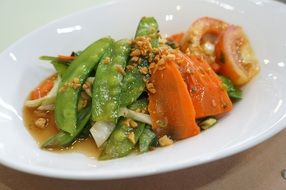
208 95
45 100
236 56
175 40
44 88
203 31
73 79
171 108
106 91
100 131
144 118
122 140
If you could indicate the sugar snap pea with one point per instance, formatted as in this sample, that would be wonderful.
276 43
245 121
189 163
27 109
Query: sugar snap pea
148 27
119 143
146 139
133 83
73 78
107 84
64 139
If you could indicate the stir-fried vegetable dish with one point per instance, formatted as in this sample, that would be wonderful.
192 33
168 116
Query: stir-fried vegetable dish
145 92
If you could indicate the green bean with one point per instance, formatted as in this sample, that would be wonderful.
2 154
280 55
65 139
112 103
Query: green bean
146 139
73 78
119 144
133 83
107 84
232 91
64 139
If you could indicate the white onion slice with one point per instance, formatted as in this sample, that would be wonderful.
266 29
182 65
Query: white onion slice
100 131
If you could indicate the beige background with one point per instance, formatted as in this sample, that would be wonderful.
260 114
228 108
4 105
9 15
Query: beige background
257 168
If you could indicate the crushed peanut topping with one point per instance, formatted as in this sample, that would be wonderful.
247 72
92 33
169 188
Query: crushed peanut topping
131 137
144 70
41 123
135 53
165 141
126 122
133 123
106 60
119 69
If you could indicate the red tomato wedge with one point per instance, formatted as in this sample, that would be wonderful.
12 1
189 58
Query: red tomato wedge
203 30
207 93
43 89
171 108
236 57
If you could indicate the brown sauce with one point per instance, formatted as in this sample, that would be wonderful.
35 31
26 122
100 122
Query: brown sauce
30 115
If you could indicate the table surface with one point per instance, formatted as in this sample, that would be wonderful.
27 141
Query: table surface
257 168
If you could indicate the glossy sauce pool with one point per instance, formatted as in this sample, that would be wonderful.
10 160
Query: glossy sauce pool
30 115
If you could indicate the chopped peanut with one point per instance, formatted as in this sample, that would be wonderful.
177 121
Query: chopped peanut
41 123
131 137
165 141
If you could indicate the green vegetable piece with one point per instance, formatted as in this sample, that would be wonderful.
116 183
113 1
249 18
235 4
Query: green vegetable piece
133 83
146 139
207 123
108 81
132 87
148 27
59 66
72 80
64 139
139 104
232 91
119 145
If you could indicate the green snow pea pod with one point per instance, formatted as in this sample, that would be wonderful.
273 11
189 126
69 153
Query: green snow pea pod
141 103
119 143
64 139
146 139
72 80
148 27
108 82
133 83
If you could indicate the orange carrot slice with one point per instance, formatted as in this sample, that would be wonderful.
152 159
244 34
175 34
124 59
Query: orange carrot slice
207 93
170 105
177 38
65 58
43 89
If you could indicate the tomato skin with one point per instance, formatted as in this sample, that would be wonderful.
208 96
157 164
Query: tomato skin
202 37
235 56
195 36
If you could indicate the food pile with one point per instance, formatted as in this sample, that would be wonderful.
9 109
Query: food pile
146 92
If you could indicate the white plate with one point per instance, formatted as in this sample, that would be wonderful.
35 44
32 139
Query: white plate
260 114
